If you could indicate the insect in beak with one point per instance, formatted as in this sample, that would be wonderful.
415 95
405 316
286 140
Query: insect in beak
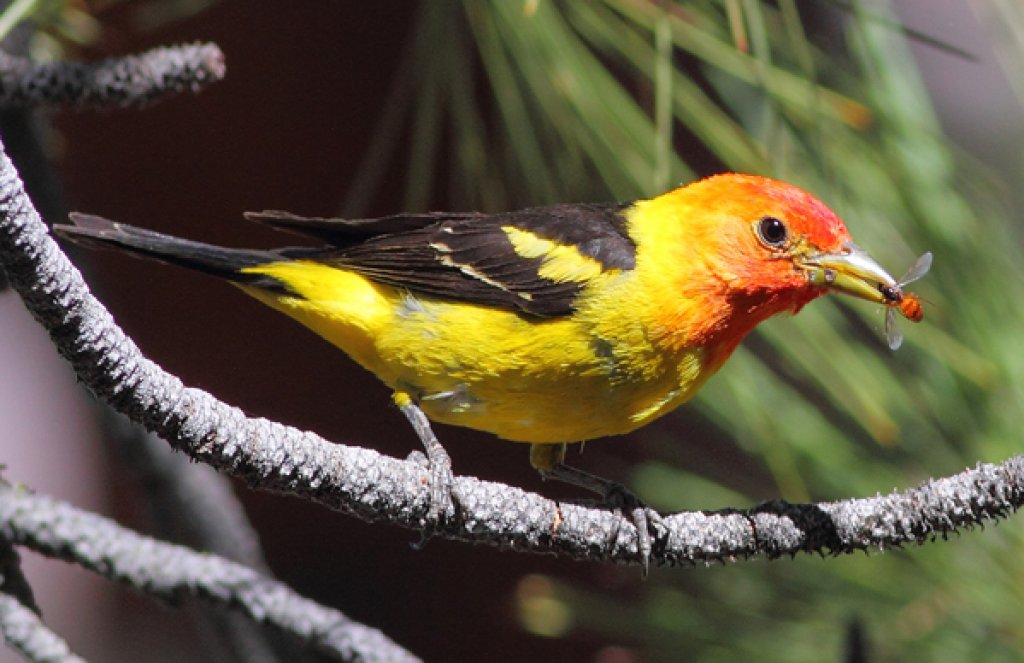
908 303
855 273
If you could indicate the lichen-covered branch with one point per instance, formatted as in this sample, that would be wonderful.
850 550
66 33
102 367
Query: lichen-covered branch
195 505
172 572
20 621
132 80
372 486
25 632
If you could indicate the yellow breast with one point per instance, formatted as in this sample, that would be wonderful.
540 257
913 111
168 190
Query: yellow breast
524 379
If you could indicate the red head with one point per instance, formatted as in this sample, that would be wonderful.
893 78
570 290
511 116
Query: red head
740 248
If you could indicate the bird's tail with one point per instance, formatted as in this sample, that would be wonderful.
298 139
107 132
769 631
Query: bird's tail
226 263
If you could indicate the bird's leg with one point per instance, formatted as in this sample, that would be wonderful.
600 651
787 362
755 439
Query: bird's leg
442 502
549 460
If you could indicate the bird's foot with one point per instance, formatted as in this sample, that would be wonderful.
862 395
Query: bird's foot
442 502
442 481
620 499
644 518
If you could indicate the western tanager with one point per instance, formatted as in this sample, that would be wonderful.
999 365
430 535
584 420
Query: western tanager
548 325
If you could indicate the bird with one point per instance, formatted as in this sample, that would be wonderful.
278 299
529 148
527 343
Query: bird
548 325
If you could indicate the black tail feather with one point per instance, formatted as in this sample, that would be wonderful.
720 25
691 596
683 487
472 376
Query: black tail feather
91 230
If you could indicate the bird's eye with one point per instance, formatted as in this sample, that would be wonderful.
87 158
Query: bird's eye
772 231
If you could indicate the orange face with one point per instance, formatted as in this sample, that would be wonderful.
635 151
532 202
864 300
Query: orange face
752 247
782 245
766 226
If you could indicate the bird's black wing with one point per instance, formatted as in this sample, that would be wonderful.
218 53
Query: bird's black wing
472 257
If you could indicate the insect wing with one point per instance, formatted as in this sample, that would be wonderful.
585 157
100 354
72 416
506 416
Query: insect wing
918 269
909 305
893 335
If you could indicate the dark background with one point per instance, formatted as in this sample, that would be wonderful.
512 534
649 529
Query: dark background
306 83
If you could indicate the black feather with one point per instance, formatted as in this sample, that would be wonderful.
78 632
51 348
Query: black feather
91 230
465 256
468 256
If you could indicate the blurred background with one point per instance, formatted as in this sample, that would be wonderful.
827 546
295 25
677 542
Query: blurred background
905 117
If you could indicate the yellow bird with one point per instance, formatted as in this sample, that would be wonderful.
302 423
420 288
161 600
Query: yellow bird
548 325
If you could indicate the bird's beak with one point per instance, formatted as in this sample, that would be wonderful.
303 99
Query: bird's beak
851 271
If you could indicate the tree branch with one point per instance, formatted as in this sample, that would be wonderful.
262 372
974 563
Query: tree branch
25 631
133 80
172 572
197 506
193 504
372 486
20 622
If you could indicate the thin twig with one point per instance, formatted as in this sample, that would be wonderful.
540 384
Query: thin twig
173 572
133 80
372 486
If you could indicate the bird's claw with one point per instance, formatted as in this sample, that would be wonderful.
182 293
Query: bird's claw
442 503
643 517
439 465
442 481
618 498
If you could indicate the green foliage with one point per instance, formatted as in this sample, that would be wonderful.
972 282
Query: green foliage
548 101
53 22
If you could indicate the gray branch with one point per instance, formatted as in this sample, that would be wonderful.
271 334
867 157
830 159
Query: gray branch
173 572
133 80
20 622
25 632
195 505
374 487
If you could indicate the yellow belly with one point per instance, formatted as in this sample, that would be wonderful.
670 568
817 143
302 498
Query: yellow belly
523 379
